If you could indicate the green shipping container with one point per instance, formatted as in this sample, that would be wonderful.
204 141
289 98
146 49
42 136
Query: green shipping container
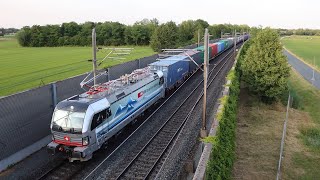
201 48
226 45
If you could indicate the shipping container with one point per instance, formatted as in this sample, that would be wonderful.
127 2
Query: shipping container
214 48
174 69
220 46
226 45
230 42
201 49
196 56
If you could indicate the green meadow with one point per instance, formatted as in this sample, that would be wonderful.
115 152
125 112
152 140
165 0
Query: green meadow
305 47
22 68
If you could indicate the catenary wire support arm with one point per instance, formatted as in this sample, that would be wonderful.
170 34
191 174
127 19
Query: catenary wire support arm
114 53
88 80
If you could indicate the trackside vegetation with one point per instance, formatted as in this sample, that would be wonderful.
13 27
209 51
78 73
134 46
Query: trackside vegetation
223 152
259 124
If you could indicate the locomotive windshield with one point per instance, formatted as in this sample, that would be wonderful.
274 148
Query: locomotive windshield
68 121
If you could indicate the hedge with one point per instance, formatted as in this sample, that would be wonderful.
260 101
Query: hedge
223 144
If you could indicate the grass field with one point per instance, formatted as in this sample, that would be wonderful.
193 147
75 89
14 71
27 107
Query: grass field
302 151
258 137
25 68
305 47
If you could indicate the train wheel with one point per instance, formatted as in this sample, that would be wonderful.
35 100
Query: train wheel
104 145
134 121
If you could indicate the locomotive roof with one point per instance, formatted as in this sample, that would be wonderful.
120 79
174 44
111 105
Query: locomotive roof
112 90
72 105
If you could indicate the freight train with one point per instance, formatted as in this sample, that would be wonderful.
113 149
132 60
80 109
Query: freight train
84 123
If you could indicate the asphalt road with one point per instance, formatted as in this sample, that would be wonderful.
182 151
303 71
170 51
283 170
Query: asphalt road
305 70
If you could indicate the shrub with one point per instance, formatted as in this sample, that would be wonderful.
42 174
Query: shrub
223 151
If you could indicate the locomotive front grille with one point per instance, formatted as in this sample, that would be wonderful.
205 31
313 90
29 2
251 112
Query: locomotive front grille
67 138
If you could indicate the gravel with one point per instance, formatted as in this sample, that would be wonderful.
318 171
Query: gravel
120 159
303 69
189 136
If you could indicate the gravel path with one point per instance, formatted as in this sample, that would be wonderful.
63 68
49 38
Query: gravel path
303 69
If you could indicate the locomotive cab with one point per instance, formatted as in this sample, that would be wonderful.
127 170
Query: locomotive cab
73 128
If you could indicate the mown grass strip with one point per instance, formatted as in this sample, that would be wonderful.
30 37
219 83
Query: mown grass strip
25 68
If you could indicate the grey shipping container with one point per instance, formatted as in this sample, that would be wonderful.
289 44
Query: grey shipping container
196 56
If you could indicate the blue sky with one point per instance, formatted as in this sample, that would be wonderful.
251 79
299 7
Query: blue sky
273 13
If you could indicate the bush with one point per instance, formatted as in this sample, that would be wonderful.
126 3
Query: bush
223 151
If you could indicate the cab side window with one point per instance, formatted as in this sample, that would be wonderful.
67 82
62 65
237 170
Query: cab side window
100 117
108 111
161 80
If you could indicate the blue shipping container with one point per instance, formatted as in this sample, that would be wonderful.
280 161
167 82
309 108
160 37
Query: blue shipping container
220 47
174 69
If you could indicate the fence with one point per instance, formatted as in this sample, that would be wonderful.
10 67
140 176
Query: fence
25 117
283 137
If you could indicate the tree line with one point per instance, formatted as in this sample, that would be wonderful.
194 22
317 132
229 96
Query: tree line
299 32
7 31
145 32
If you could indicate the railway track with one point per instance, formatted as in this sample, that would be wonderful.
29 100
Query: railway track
66 170
142 166
63 171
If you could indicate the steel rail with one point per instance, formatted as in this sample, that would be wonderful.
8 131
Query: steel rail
168 120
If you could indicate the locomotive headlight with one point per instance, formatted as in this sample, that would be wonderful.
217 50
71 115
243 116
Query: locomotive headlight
85 141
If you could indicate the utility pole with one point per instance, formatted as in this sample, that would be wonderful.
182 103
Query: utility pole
221 34
313 78
94 53
235 42
198 37
203 132
242 37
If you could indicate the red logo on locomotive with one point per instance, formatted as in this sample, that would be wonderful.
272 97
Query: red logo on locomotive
67 138
140 94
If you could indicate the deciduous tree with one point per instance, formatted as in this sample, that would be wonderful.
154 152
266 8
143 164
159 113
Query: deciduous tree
265 68
165 36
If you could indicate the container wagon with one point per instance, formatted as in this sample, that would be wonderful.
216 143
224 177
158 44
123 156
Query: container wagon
196 56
